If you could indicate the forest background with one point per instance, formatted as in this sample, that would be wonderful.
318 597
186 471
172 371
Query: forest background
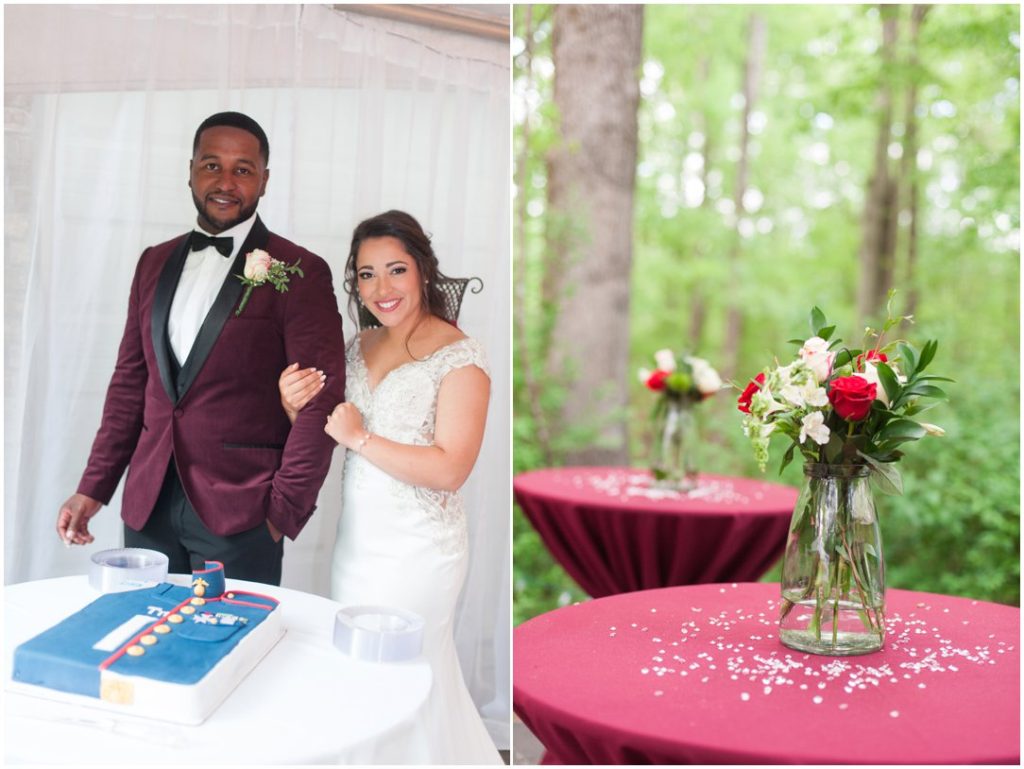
738 165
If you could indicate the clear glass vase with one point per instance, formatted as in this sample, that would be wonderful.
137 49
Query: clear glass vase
673 460
833 572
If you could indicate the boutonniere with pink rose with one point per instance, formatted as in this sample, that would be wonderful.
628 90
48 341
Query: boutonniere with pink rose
261 268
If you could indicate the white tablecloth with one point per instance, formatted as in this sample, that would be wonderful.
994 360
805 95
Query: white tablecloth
305 703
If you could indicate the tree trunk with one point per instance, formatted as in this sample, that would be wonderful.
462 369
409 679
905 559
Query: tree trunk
591 180
909 171
734 321
878 223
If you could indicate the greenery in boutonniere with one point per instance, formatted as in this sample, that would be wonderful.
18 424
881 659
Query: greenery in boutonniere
260 268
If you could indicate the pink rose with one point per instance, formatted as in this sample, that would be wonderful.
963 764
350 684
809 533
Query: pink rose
257 265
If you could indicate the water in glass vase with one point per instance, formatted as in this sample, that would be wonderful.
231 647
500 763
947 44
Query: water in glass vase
833 571
799 628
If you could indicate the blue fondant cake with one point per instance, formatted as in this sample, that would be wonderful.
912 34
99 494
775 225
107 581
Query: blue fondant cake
165 651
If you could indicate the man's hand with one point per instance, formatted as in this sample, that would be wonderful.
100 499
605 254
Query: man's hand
274 531
73 519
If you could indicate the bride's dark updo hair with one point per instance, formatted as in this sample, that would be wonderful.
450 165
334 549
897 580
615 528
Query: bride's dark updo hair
403 227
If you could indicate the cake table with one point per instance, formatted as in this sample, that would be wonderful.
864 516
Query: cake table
305 703
696 675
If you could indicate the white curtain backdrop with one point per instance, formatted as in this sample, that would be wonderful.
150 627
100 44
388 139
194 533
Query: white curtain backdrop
363 115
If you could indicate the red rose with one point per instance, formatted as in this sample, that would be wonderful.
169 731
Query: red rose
869 356
852 396
656 381
746 396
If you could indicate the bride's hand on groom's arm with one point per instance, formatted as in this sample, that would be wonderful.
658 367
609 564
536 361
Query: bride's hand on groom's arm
298 387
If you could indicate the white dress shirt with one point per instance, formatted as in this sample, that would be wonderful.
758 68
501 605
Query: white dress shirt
201 280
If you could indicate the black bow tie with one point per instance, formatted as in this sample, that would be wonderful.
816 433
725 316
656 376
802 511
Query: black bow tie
201 240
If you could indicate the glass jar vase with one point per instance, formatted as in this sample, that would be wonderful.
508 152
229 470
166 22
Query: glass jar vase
833 572
673 461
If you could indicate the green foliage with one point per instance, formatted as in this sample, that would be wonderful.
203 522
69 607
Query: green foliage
955 529
539 584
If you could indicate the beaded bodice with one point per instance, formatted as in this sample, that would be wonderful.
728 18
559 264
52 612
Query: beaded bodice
402 408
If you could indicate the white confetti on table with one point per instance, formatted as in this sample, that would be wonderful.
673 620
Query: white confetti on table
917 649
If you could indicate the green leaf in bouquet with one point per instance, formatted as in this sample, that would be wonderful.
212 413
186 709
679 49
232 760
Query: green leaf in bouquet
886 457
924 390
797 342
787 457
885 475
826 332
844 357
833 448
900 430
889 381
908 358
927 353
817 321
919 407
932 378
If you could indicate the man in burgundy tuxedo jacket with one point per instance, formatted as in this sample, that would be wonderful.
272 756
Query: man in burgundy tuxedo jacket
215 470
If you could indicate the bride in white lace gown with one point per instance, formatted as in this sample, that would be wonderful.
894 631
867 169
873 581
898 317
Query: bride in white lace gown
416 401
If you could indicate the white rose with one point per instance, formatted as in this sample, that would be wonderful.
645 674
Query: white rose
817 357
813 426
643 375
665 360
704 377
870 374
257 265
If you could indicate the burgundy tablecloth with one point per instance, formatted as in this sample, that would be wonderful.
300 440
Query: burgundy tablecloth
613 534
697 675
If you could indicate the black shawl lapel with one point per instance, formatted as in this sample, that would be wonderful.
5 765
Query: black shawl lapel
222 308
162 298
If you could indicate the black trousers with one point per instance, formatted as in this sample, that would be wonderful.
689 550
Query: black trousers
176 530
